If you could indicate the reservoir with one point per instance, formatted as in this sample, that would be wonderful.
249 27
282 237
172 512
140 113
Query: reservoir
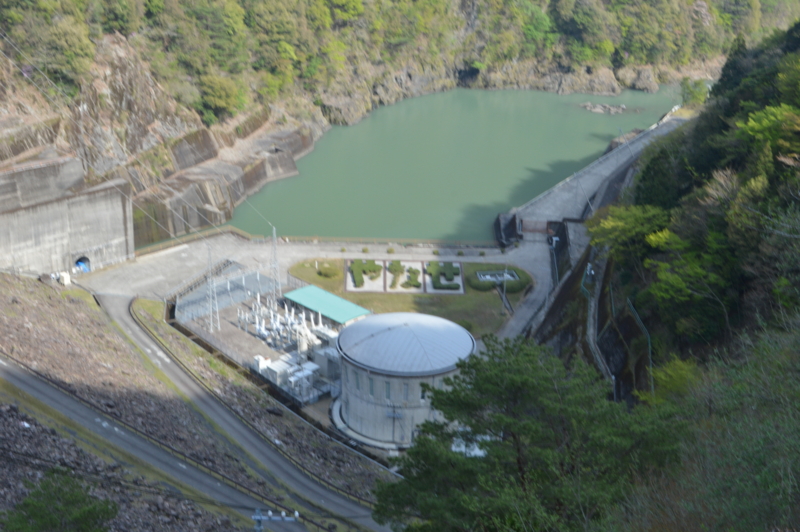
442 166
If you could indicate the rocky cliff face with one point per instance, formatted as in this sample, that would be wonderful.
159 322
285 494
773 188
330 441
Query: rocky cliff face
370 86
122 111
124 125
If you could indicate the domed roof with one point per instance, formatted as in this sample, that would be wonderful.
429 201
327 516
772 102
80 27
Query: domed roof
405 344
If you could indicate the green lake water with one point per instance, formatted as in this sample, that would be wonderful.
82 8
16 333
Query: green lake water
443 166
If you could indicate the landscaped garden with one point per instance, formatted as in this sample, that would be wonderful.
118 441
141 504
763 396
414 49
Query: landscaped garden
479 309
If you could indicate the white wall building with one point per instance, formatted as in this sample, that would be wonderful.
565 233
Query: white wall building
385 359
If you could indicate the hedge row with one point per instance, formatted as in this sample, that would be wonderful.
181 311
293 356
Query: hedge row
512 287
358 268
396 269
413 279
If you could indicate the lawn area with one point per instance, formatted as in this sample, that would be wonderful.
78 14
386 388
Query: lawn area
478 311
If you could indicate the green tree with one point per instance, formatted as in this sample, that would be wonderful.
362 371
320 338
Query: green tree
777 125
624 230
118 15
693 92
220 96
68 52
59 503
527 443
346 10
688 277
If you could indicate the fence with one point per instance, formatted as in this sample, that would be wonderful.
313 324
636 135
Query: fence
622 154
235 287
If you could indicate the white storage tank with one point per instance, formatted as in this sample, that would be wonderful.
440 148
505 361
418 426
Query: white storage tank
385 359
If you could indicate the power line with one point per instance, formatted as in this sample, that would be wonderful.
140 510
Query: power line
96 124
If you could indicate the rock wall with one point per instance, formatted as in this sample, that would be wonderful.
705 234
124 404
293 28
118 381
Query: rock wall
51 236
370 86
122 111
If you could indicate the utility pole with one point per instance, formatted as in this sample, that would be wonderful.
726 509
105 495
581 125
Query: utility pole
275 271
213 307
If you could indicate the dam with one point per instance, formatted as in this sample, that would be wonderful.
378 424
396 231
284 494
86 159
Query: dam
442 166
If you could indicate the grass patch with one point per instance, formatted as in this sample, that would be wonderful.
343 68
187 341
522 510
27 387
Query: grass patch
78 293
483 310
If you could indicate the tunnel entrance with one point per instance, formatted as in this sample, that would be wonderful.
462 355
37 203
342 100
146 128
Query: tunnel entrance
83 265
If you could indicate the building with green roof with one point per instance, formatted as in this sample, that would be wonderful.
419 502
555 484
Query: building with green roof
336 309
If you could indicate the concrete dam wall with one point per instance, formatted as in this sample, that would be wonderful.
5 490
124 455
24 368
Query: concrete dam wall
52 235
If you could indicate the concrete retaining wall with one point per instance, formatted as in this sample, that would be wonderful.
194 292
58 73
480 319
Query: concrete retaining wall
36 182
51 236
194 148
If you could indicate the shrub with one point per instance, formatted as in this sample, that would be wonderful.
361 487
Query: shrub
397 270
448 269
390 251
343 250
460 253
413 279
435 251
329 272
482 253
358 268
512 287
365 250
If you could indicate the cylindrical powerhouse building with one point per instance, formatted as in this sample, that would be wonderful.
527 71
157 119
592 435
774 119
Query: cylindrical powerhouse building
385 359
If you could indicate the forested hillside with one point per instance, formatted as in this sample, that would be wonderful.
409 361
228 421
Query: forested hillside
708 249
711 241
218 55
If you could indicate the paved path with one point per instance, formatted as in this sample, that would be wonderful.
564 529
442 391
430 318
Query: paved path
106 428
268 458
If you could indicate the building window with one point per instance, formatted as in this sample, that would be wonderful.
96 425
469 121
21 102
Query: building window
388 386
371 387
405 391
422 393
358 381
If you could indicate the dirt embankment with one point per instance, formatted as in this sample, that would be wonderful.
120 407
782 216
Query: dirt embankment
29 449
64 335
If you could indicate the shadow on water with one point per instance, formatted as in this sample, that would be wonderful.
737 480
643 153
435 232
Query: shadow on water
473 217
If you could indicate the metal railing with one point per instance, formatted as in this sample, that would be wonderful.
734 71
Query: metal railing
616 152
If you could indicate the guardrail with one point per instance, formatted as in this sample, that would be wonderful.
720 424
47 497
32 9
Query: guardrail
171 450
229 229
616 153
210 390
431 242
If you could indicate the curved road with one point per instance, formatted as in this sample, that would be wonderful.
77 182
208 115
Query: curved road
106 428
251 442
